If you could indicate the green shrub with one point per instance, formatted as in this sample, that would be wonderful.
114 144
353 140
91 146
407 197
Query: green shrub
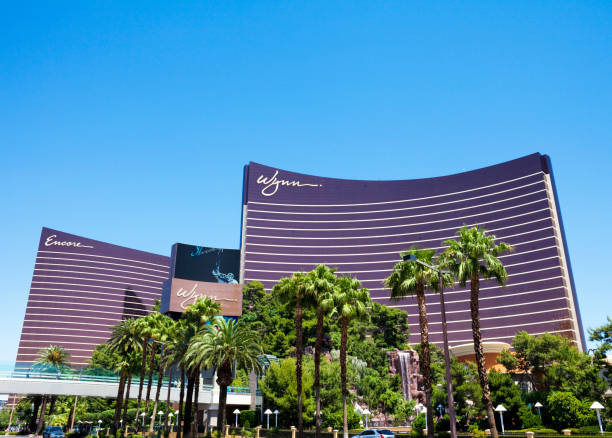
477 433
418 425
137 435
119 433
528 418
589 429
248 416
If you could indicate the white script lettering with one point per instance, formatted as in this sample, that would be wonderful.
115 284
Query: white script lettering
271 184
192 295
51 242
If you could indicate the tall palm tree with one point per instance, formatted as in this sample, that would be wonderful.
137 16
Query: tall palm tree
411 278
58 358
473 255
349 301
200 313
177 348
125 339
221 345
144 329
320 283
164 332
292 290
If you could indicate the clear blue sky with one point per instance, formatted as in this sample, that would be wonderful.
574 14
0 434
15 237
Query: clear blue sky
130 122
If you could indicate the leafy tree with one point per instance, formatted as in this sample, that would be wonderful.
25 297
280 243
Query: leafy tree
603 336
506 393
554 364
320 283
280 388
292 290
472 256
567 411
413 278
221 345
349 302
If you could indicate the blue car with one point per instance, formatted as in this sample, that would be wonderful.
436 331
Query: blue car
53 432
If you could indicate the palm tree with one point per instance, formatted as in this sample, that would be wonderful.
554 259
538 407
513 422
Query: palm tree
292 290
320 284
411 278
222 345
144 330
57 357
349 301
124 340
177 348
200 313
164 332
473 255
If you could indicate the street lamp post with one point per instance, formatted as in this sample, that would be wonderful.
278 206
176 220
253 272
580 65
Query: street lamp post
598 406
440 407
366 412
449 377
267 413
276 412
170 415
501 410
236 413
539 405
143 415
424 412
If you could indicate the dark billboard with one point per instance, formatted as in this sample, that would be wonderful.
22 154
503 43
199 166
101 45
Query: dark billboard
201 263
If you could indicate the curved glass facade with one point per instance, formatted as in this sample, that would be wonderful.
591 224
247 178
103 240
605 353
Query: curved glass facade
80 289
291 222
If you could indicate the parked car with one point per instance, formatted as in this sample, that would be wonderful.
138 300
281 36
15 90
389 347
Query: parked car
53 432
376 433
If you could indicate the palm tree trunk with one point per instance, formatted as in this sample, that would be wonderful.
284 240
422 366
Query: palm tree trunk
73 413
160 381
143 370
188 406
179 417
343 345
119 401
33 423
221 414
126 400
480 358
425 359
196 391
168 399
150 382
298 363
52 405
41 419
317 372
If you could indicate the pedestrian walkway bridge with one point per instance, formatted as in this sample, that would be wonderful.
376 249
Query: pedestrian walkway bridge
29 382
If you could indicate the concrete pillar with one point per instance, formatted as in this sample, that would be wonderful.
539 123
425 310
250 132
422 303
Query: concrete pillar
293 430
488 432
335 433
257 430
567 432
227 429
425 432
529 434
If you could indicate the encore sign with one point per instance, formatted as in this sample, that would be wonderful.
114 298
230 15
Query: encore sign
184 293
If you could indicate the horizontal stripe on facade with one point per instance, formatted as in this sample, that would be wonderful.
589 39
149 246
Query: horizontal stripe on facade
41 271
156 287
502 194
88 267
520 178
92 295
422 212
127 287
98 262
105 257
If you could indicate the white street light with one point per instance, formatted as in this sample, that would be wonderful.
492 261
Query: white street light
608 393
143 415
539 405
501 410
276 412
365 414
170 415
268 412
160 413
236 413
597 406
